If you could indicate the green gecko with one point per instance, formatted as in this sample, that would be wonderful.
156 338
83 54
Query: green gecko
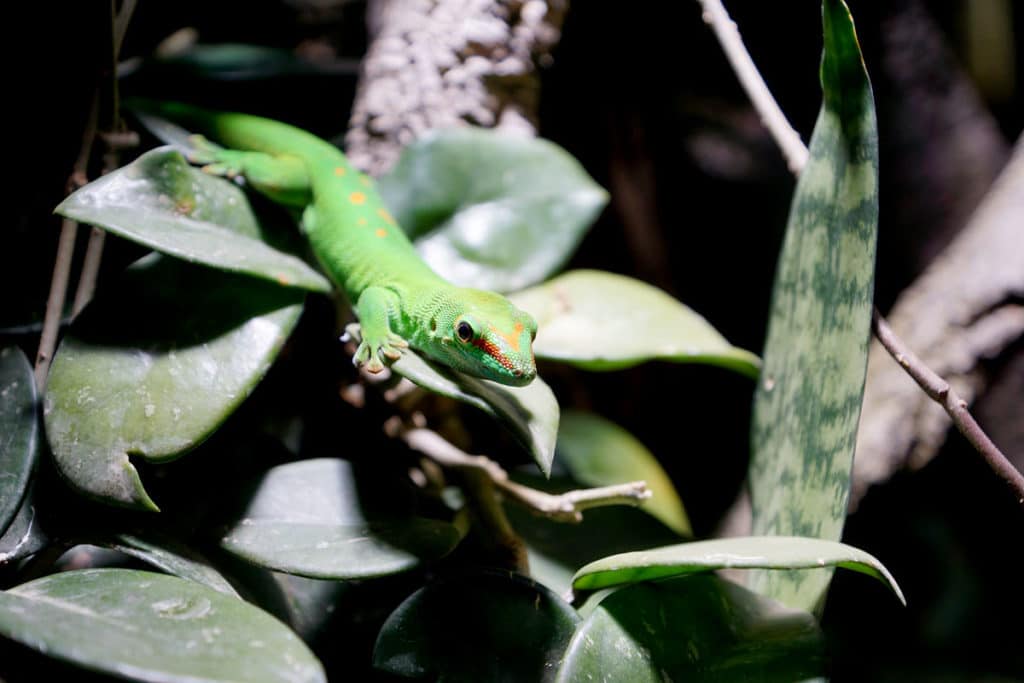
398 299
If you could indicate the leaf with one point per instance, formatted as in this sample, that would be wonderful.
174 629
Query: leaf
165 555
315 518
807 403
698 628
154 366
151 627
597 452
487 626
530 412
764 552
163 203
19 431
24 535
491 210
556 549
602 321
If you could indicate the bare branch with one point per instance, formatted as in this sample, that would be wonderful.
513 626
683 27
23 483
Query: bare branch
564 507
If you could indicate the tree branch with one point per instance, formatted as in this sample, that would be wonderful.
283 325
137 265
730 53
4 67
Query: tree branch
563 507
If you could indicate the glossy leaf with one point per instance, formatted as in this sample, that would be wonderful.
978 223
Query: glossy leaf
556 550
603 321
169 557
698 628
752 552
24 535
151 627
491 210
163 203
314 518
493 626
19 431
597 452
530 412
808 400
154 366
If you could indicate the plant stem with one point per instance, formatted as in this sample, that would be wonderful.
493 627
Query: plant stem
563 507
942 393
796 154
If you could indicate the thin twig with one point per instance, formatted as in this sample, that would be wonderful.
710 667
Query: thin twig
563 507
65 253
942 393
796 153
771 115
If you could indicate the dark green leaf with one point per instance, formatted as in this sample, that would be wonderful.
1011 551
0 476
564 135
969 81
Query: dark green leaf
152 627
24 535
163 203
531 412
750 552
480 627
602 321
597 452
314 518
491 210
698 628
170 557
19 431
154 366
808 399
556 549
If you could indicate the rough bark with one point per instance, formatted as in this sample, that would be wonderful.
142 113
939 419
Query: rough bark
443 63
965 308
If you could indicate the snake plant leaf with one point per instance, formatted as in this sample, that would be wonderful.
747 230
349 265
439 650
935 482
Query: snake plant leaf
697 628
154 366
530 412
315 518
598 452
19 431
491 210
487 626
161 202
603 321
807 402
751 552
152 627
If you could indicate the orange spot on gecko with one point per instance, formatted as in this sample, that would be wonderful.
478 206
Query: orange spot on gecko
339 171
365 180
361 220
511 339
383 213
357 198
380 232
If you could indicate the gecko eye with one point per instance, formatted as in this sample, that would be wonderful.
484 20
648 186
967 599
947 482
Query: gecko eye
464 330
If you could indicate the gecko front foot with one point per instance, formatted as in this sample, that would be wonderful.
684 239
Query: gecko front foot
371 352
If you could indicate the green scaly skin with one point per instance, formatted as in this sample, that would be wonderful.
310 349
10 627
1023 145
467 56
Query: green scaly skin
399 300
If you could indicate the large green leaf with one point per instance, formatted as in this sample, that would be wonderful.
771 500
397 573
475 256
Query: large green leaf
597 452
154 366
697 628
19 431
602 321
170 557
808 400
531 412
163 203
491 210
751 552
152 627
493 626
326 519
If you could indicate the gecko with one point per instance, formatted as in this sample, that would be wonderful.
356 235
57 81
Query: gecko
398 299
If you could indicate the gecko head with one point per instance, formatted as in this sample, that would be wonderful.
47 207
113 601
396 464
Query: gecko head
484 335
